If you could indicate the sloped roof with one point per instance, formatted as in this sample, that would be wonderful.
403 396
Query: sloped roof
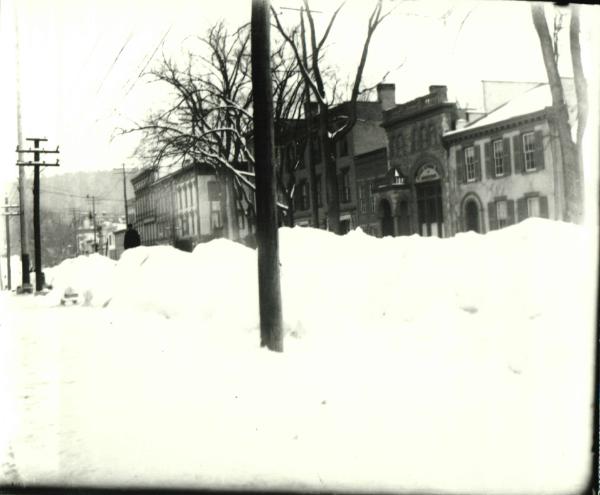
530 101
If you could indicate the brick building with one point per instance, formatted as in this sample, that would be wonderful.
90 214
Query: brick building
365 137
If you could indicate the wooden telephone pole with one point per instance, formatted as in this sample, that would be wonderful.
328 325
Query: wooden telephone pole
7 215
124 171
267 235
93 198
36 164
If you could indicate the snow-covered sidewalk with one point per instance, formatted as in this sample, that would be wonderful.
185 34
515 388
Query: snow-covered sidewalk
410 363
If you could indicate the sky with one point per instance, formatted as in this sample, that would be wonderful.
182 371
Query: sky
82 63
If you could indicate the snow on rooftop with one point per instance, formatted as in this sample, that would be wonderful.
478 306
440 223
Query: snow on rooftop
530 101
410 363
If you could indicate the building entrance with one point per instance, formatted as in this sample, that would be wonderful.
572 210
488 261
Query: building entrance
387 221
472 216
429 203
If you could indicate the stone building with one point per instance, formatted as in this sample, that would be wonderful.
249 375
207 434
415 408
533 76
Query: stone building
506 166
414 196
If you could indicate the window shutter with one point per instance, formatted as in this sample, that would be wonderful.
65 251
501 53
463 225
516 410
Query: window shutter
539 151
492 215
522 208
506 153
489 162
518 148
544 207
510 212
477 162
460 165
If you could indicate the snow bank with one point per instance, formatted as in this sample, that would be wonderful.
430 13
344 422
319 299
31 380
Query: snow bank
89 276
455 365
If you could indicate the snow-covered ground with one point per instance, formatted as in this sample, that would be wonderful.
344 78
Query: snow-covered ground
410 364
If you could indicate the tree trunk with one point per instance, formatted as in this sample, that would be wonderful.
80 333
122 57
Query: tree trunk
572 176
580 90
333 197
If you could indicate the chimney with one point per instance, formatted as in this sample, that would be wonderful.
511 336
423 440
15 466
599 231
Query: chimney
386 95
441 91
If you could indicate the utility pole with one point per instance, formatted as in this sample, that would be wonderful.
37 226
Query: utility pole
7 215
76 230
124 171
267 235
94 220
37 232
26 282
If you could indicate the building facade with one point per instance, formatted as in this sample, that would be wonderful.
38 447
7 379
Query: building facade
414 197
366 136
506 167
185 207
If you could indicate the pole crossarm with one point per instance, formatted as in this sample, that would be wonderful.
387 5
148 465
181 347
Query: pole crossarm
37 150
38 164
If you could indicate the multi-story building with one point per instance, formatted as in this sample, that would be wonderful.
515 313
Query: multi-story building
370 168
414 196
366 136
185 207
506 166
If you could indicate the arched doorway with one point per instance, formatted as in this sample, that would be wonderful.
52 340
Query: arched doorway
385 216
472 216
428 186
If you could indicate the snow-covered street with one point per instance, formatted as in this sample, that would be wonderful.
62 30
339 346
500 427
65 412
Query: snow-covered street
410 363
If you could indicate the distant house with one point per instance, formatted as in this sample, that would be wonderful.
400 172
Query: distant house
114 242
506 166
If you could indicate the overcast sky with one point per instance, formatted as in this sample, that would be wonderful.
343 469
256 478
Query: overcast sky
80 60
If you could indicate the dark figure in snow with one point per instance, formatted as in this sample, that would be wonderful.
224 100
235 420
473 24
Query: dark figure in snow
132 238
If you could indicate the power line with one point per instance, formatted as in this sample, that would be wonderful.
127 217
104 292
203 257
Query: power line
150 59
115 61
71 195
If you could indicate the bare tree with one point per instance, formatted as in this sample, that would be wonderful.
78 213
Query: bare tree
314 78
570 150
210 117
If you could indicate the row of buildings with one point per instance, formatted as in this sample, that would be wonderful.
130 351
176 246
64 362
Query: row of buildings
424 167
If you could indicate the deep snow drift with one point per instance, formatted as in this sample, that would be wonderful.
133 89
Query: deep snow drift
410 363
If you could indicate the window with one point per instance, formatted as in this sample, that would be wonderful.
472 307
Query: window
498 157
241 220
363 197
215 220
400 147
301 196
372 197
319 190
533 207
344 185
470 163
501 214
528 151
344 146
213 190
424 137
